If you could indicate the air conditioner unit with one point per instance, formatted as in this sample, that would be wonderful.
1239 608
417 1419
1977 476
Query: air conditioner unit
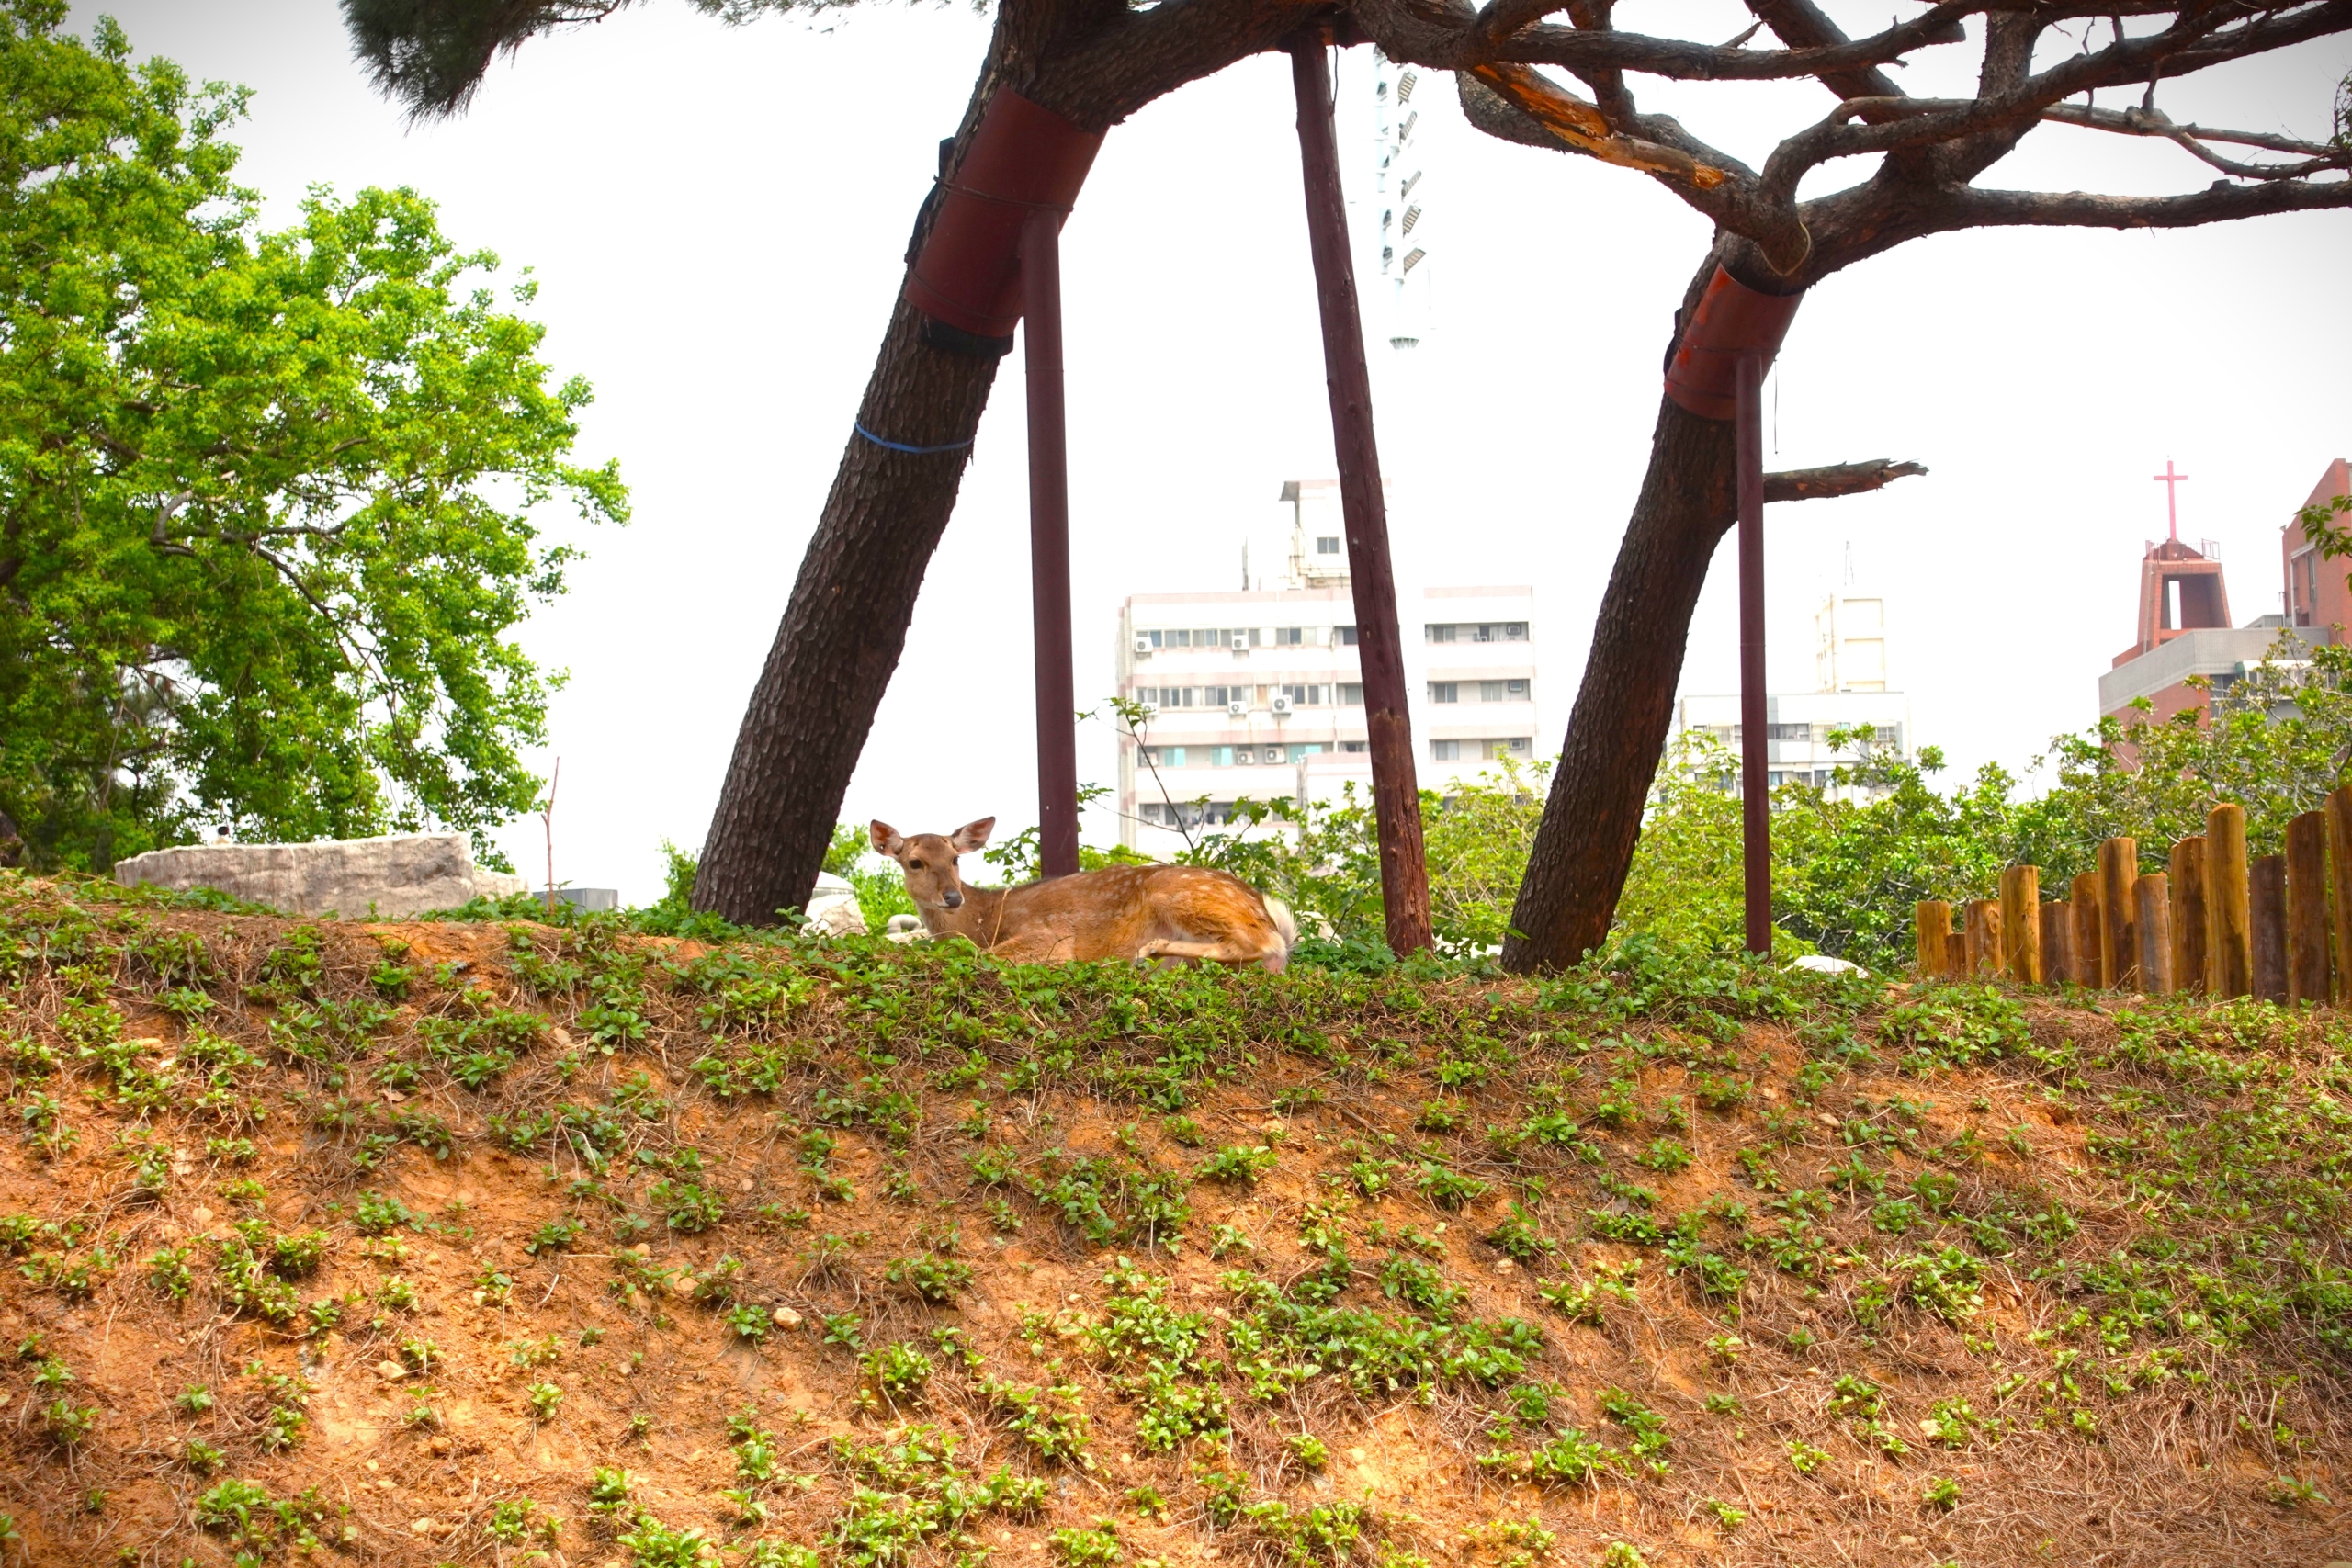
1143 643
1238 709
1240 642
1280 705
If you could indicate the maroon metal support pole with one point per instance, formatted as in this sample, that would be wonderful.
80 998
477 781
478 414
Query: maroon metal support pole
1755 746
1041 289
1364 508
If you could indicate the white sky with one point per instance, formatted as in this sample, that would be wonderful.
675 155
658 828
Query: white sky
717 218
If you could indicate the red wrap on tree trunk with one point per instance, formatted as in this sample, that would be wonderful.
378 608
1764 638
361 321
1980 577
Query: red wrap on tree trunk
1021 158
1731 320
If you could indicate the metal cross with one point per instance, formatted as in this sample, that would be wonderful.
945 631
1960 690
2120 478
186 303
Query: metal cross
2171 482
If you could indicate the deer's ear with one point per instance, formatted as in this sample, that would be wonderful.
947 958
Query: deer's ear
971 835
885 838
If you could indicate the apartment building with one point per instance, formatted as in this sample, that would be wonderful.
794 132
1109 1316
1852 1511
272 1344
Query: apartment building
1852 689
1259 692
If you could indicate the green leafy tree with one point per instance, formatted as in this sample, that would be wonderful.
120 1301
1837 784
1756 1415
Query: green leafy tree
1849 861
2275 742
267 499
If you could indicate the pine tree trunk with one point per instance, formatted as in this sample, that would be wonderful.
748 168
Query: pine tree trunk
842 630
1625 705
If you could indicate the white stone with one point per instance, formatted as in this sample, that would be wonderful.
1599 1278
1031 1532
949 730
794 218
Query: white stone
1821 964
390 877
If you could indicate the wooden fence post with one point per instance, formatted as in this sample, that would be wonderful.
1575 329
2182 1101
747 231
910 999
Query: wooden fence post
2340 864
2307 942
2119 867
2090 956
2057 942
2021 923
1955 955
2267 924
2152 913
2189 915
1983 939
1930 922
2229 940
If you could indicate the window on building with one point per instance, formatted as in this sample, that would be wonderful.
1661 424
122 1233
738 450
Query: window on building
1437 633
1445 691
1308 697
1326 545
1201 636
1218 696
1490 691
1354 747
1445 751
1351 693
1344 636
1289 636
1510 748
1301 751
1220 756
1172 756
1787 732
1168 696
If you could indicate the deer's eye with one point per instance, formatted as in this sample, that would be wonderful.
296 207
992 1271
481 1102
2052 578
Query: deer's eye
914 865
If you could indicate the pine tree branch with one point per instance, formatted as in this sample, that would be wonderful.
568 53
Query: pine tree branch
1837 480
2218 203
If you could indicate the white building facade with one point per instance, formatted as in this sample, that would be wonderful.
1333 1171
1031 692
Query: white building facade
1854 689
1259 693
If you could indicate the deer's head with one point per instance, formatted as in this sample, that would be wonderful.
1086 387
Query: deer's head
928 861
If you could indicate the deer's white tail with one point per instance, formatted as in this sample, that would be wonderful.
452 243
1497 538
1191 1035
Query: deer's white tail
1284 921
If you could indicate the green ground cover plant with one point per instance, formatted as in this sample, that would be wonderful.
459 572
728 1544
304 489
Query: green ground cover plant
1600 1276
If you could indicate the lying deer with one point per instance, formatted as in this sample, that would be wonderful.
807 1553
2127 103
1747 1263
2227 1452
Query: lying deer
1119 912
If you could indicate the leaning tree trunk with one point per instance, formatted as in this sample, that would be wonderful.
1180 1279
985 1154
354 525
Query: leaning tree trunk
1626 705
842 630
846 622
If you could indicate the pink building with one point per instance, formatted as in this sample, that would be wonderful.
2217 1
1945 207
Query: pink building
2318 594
2184 628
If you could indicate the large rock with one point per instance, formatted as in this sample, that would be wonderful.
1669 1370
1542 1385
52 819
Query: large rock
390 878
833 907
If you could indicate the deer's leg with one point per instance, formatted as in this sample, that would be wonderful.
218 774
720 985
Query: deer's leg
1233 950
1039 947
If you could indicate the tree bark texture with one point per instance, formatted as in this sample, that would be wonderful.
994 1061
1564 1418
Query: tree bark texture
842 629
1625 705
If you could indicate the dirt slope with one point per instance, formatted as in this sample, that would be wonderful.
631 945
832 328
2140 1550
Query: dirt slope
440 1243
